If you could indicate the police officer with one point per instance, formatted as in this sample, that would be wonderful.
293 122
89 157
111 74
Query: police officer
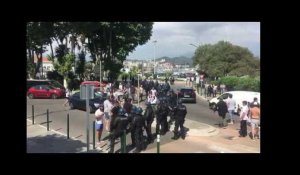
179 120
138 123
172 103
164 116
115 128
149 117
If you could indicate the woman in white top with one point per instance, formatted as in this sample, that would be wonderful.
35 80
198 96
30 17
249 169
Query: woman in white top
99 115
108 105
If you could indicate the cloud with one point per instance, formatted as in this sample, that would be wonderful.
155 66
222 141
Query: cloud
173 38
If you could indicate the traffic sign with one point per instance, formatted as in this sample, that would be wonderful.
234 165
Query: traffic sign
87 95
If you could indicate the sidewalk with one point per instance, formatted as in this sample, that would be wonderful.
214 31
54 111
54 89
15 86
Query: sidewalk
203 138
39 140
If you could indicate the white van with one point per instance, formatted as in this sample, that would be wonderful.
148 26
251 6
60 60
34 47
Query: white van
238 96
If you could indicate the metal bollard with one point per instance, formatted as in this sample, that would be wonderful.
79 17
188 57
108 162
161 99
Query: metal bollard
32 114
94 147
47 119
158 139
68 127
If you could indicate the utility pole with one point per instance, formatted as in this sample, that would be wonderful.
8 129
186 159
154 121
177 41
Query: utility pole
154 57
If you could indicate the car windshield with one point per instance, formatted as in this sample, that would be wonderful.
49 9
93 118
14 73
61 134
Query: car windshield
56 84
99 94
51 87
186 90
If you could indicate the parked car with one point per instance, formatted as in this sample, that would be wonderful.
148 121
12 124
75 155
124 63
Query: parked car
53 83
187 94
45 91
238 96
76 103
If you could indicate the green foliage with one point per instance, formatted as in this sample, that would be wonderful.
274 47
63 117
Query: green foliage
223 59
147 75
109 42
65 65
245 83
168 74
72 82
123 75
80 65
54 75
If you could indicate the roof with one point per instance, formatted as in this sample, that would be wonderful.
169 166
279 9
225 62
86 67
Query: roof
44 59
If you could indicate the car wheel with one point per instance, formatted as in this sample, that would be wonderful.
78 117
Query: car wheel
91 109
30 96
54 96
213 106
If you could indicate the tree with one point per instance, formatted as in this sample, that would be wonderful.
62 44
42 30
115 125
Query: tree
224 58
38 36
80 66
111 42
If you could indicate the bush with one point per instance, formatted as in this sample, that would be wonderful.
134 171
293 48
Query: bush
54 75
241 83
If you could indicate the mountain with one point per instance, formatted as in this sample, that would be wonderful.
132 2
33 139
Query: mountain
178 60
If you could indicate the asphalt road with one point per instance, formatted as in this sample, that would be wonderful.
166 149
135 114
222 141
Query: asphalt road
200 111
58 117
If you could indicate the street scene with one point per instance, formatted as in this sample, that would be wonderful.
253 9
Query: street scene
95 99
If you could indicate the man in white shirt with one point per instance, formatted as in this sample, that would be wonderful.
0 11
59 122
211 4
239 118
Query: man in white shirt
244 119
231 105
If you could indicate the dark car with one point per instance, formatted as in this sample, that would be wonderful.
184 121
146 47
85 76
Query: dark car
76 103
187 94
45 91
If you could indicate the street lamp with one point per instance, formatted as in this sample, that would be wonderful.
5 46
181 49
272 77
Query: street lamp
154 57
201 76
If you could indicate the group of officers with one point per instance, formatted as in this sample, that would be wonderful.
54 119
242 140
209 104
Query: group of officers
132 119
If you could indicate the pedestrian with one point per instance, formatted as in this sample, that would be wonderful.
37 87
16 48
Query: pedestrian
222 109
108 105
114 128
255 100
255 120
244 119
99 115
179 120
138 126
149 117
68 94
231 105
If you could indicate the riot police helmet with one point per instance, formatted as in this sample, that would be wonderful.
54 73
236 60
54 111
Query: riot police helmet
121 111
139 110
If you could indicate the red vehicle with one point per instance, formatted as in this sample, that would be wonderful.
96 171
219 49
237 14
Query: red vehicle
95 83
45 91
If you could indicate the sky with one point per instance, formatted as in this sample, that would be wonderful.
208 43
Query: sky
174 38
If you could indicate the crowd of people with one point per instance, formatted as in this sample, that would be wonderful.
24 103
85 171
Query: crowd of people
249 114
121 116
